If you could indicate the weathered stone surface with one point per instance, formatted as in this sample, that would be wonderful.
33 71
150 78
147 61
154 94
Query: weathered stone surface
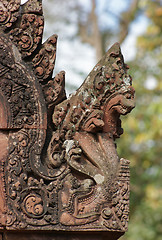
59 168
61 236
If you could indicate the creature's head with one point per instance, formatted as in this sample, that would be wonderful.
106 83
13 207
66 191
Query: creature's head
97 105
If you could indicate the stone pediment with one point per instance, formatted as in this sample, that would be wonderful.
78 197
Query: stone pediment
59 168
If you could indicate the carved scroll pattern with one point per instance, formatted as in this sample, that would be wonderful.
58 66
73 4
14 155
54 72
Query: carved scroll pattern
44 61
83 119
29 35
15 86
9 12
120 200
31 199
67 174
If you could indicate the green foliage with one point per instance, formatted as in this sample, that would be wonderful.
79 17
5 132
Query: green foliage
142 141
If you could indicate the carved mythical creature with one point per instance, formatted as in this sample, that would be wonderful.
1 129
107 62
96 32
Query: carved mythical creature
87 125
59 167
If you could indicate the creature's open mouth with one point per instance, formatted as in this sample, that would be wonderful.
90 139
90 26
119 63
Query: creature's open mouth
123 104
121 109
120 104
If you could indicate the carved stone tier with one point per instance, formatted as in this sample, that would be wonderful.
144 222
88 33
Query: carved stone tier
52 235
59 168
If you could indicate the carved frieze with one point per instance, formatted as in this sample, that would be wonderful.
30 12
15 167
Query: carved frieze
9 12
59 168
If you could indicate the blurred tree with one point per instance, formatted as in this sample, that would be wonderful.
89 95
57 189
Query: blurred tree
91 21
89 31
142 140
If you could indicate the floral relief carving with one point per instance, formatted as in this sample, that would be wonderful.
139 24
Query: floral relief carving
29 35
60 169
9 12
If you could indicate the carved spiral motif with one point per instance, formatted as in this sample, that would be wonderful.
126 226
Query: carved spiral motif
29 35
34 204
66 173
9 12
4 16
44 61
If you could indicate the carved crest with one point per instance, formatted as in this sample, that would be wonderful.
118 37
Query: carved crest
59 167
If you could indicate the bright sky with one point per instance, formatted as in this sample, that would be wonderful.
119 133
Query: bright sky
23 1
78 59
128 46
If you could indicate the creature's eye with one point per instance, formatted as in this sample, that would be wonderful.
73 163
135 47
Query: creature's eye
128 95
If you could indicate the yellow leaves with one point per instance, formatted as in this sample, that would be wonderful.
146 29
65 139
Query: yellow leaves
160 85
153 30
152 38
149 41
142 141
133 162
143 3
154 11
154 196
158 11
141 137
146 164
130 124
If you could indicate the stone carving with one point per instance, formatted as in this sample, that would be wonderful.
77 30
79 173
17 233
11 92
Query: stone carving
9 12
43 62
59 168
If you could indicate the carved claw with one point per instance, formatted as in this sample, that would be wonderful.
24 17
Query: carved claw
94 122
67 219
